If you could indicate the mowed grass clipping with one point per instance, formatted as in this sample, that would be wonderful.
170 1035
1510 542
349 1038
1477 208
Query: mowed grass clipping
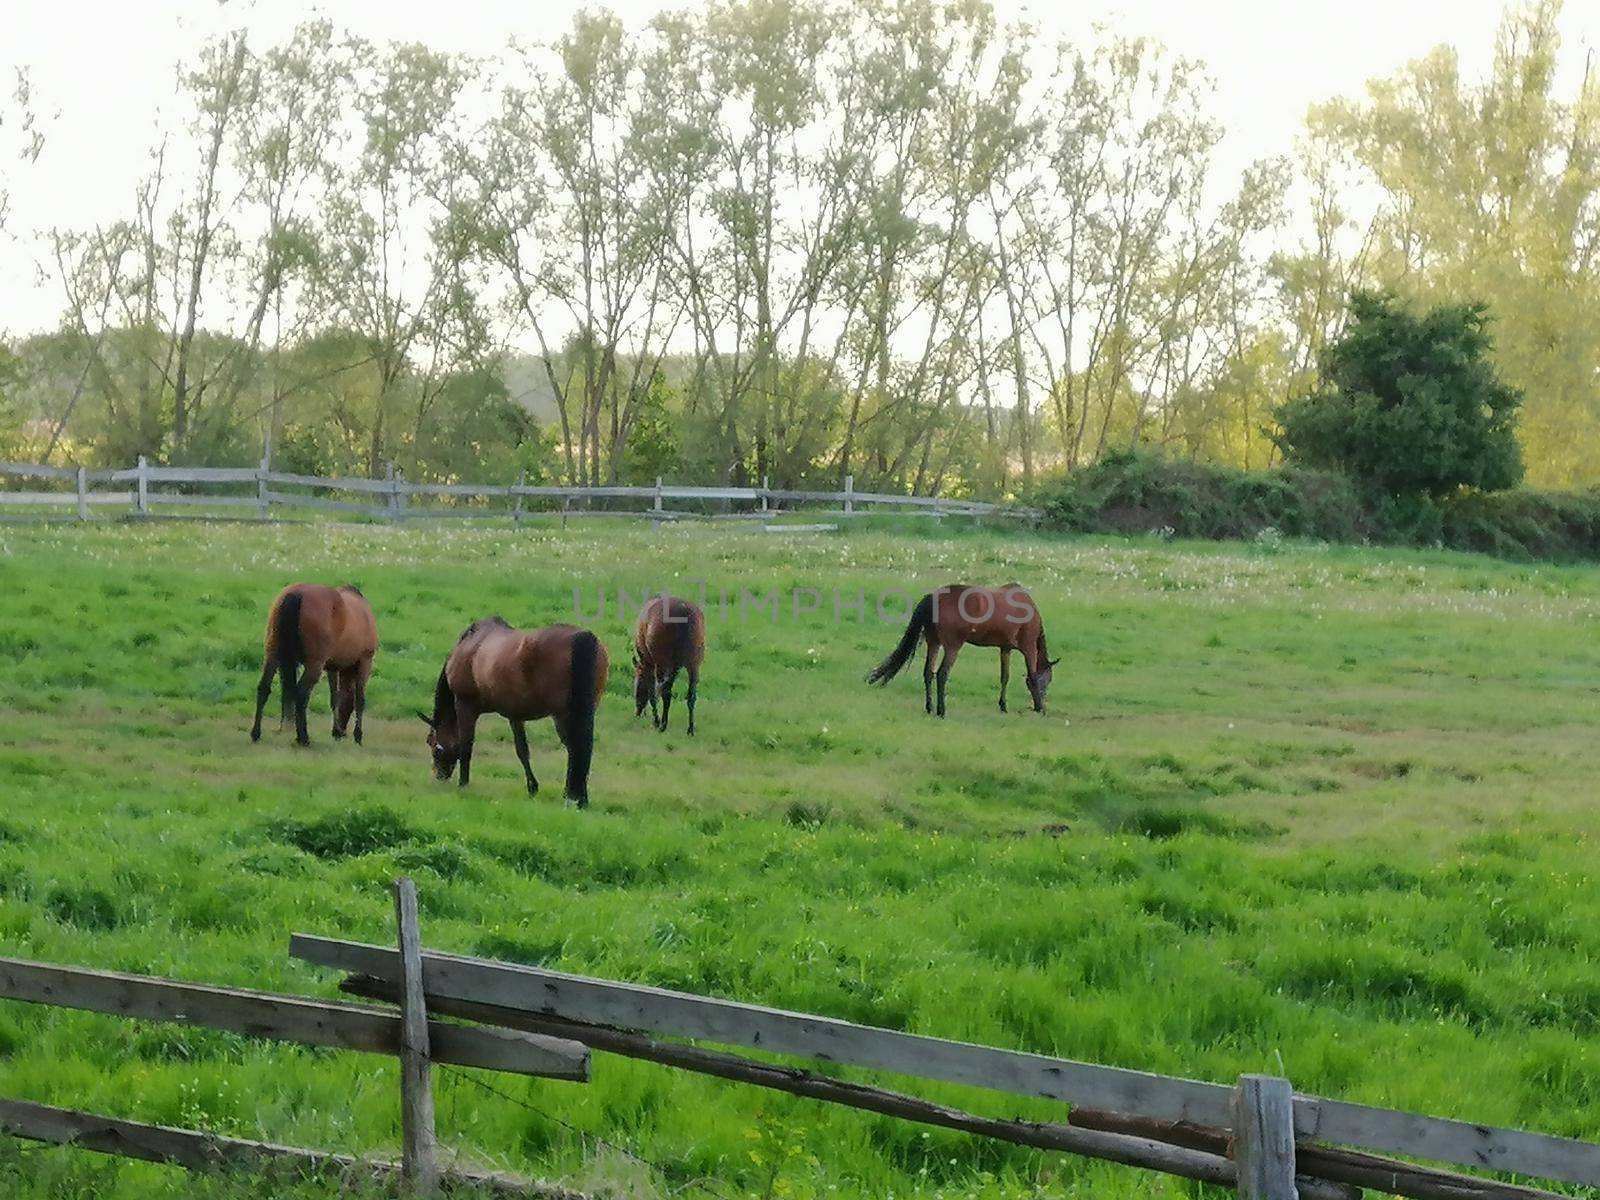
1324 811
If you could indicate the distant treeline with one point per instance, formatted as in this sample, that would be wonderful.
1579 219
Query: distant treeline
797 239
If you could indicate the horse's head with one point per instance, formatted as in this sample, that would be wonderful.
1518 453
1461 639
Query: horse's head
641 686
1039 680
444 745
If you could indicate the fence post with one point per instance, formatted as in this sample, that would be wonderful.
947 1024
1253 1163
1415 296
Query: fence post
1263 1138
849 494
143 502
83 494
658 493
419 1145
763 493
516 509
263 505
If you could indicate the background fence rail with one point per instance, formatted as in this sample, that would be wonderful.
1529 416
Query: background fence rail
391 498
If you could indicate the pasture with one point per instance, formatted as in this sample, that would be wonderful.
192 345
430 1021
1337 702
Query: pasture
1327 811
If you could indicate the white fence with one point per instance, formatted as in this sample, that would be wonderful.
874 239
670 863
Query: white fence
145 490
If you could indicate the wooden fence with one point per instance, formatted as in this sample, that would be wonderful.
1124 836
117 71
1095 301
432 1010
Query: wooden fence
144 490
410 1035
1257 1136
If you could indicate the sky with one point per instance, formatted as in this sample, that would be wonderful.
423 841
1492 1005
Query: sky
102 71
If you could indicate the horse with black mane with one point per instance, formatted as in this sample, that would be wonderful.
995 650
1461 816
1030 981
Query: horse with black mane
558 671
959 614
326 629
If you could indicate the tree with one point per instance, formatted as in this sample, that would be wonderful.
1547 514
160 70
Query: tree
1492 189
1411 404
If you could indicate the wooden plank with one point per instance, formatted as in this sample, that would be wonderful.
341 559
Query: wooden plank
454 489
419 1143
1387 1175
191 474
1263 1138
1211 1166
197 500
37 471
211 1151
1118 1089
336 484
62 498
289 498
1388 1131
281 1018
684 492
678 1014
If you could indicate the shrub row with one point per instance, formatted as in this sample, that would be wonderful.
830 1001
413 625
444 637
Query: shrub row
1145 492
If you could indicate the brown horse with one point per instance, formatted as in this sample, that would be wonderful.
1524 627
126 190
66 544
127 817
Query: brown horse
670 636
956 615
327 629
524 675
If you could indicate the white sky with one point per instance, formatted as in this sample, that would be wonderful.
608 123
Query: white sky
103 69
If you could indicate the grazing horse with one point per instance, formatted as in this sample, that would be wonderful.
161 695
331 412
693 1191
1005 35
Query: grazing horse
670 636
327 629
524 675
955 615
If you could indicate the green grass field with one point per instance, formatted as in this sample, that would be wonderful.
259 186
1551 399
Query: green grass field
1325 811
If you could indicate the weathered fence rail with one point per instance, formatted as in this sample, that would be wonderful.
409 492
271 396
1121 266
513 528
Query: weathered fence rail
1258 1137
391 498
1278 1120
409 1035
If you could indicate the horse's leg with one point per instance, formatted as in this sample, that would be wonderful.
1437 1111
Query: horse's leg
1005 674
655 691
694 687
263 690
945 663
666 696
467 726
342 695
302 697
360 674
927 675
519 735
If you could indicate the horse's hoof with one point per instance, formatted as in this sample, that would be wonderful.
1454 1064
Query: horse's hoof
358 735
255 735
337 734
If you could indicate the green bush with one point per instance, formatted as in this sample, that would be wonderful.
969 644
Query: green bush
1145 492
1410 404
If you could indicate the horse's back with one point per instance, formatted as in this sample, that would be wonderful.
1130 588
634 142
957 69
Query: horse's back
1004 616
671 632
521 674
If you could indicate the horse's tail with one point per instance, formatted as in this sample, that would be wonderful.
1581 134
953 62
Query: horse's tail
291 650
921 620
581 700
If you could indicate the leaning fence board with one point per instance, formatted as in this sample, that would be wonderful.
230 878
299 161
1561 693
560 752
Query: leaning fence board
1387 1175
351 484
201 500
634 1006
190 474
1537 1154
288 498
283 1018
209 1151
